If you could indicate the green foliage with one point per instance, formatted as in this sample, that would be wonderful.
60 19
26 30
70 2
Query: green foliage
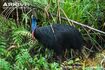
25 20
11 38
16 41
6 27
22 37
3 51
41 63
55 66
96 68
4 65
35 1
23 60
82 11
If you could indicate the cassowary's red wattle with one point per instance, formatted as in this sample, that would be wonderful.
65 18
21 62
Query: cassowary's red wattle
59 37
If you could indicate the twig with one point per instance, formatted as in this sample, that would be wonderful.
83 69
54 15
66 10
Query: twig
80 24
66 17
93 40
103 60
12 47
17 16
9 13
29 11
84 25
58 11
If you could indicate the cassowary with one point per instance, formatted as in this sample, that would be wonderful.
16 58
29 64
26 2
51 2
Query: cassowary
59 37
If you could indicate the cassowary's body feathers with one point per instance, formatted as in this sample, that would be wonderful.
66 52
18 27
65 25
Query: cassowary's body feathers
64 37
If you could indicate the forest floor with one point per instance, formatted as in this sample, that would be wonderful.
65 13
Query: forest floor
94 63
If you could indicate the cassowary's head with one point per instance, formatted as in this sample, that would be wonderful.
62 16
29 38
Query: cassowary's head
33 25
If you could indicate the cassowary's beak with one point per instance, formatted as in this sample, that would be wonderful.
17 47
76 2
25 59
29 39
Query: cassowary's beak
33 36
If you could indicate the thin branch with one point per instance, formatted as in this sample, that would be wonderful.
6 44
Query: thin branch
58 11
67 19
4 10
9 13
84 25
17 16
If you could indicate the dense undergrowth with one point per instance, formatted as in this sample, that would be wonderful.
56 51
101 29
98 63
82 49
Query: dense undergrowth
16 40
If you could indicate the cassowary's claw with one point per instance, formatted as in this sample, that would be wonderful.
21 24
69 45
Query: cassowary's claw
59 58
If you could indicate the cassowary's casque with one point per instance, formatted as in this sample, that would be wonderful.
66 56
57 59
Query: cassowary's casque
58 37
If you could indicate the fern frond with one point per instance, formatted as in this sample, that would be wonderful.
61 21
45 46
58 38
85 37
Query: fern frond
22 37
23 59
4 65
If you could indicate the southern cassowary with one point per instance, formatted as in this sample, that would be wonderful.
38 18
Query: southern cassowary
59 37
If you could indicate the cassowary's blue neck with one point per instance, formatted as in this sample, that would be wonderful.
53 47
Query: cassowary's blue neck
33 26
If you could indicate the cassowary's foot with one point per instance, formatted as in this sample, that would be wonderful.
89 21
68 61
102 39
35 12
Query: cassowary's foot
32 52
59 58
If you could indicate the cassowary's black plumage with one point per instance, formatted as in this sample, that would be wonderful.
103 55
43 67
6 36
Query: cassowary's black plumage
59 37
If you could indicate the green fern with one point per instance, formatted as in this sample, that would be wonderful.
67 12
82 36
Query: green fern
23 60
6 27
22 37
4 65
55 66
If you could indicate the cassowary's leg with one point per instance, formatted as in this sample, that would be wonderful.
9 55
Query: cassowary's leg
71 53
32 52
74 53
65 54
59 52
59 58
